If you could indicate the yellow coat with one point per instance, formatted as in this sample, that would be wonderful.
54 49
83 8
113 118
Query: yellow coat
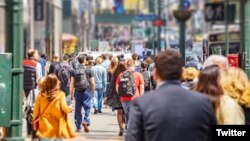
54 122
230 112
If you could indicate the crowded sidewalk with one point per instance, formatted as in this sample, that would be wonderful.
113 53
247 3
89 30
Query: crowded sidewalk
103 128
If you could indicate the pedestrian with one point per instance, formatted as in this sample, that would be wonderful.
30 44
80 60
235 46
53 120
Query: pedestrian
121 58
51 112
113 99
32 73
237 86
82 88
231 112
189 77
54 64
137 62
64 73
42 61
100 75
2 132
193 61
106 62
152 64
170 112
147 77
129 85
113 65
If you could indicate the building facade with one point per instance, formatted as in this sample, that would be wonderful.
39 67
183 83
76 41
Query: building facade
43 26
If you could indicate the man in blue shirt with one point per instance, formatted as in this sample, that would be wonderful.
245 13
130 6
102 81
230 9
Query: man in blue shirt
42 61
100 75
106 62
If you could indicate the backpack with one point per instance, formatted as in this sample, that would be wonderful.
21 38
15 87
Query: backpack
63 74
147 79
81 82
127 84
29 78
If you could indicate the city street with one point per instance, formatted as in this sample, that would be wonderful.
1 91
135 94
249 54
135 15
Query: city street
104 128
174 69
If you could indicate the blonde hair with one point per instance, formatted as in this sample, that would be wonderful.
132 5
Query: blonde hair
113 65
55 58
237 86
50 87
219 60
40 83
129 63
190 73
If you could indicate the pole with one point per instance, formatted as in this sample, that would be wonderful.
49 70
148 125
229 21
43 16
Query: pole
152 10
159 28
182 35
242 44
14 43
226 28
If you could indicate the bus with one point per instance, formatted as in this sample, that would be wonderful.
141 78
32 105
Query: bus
216 43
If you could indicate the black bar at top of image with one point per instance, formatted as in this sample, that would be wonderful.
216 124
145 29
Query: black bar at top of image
235 132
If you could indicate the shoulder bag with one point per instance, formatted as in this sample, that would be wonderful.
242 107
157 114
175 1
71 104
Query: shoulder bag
35 124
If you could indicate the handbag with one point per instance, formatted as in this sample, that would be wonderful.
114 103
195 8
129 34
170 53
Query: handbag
35 124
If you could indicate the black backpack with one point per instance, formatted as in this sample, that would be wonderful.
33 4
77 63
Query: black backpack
127 84
147 79
63 74
81 82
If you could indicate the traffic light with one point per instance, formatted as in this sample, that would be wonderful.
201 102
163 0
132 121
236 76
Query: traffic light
119 8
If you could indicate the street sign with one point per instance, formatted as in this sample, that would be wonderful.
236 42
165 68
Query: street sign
214 12
159 22
142 17
233 60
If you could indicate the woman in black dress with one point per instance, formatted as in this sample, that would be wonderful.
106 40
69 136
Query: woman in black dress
113 98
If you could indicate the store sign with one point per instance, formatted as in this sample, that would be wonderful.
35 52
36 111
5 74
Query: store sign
142 17
39 10
159 22
233 60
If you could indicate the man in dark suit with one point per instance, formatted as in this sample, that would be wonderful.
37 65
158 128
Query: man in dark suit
170 113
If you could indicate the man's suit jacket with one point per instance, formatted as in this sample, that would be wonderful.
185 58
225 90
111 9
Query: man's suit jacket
171 113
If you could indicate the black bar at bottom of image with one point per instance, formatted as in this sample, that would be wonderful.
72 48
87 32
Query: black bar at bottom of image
236 132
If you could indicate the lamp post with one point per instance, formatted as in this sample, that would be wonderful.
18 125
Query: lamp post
159 27
14 42
182 34
182 15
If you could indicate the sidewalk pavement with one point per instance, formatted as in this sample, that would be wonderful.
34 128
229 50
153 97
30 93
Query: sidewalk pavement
103 127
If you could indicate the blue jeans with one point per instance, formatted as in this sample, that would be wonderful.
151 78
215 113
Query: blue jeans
82 99
126 107
99 98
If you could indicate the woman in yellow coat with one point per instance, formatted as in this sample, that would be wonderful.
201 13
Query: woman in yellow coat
51 111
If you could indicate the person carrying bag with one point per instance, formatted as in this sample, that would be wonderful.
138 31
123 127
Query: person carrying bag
50 117
35 123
